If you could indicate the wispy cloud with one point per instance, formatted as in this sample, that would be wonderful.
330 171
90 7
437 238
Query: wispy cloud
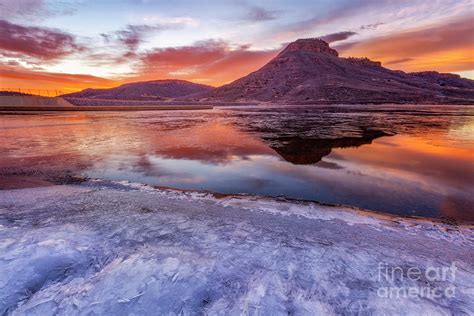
132 35
398 61
372 26
170 21
339 36
339 12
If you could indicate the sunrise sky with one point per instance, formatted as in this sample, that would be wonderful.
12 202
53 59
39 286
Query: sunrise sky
70 45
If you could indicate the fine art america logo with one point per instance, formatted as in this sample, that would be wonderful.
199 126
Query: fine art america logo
395 282
433 282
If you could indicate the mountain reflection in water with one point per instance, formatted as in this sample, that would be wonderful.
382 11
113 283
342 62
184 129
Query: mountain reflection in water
403 160
303 151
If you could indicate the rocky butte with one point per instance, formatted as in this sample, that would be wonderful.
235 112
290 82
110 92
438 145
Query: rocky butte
309 71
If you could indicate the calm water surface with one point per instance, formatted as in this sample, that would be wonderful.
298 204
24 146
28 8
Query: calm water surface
412 160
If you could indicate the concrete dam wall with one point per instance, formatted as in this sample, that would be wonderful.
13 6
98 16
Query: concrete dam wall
33 101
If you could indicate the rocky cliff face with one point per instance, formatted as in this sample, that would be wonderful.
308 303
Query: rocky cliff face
312 45
309 71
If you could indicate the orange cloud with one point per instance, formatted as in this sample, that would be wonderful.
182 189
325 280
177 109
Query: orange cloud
211 62
447 47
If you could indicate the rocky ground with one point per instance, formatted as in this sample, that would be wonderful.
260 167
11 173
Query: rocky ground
119 249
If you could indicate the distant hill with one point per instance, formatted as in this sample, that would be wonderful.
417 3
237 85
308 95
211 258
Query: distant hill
144 91
309 71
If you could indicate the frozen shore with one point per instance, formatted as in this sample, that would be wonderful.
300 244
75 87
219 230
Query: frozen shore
120 249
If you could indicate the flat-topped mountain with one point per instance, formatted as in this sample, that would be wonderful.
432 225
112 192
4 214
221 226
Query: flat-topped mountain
309 71
144 91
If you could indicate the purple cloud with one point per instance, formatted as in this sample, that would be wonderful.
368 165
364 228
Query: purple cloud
41 43
398 61
133 35
371 26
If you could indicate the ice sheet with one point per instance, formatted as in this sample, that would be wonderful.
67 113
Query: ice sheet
121 249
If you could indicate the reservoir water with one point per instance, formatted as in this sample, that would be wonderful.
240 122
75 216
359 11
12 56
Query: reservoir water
399 159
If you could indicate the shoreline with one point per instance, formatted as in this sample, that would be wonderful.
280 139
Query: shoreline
162 249
18 182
